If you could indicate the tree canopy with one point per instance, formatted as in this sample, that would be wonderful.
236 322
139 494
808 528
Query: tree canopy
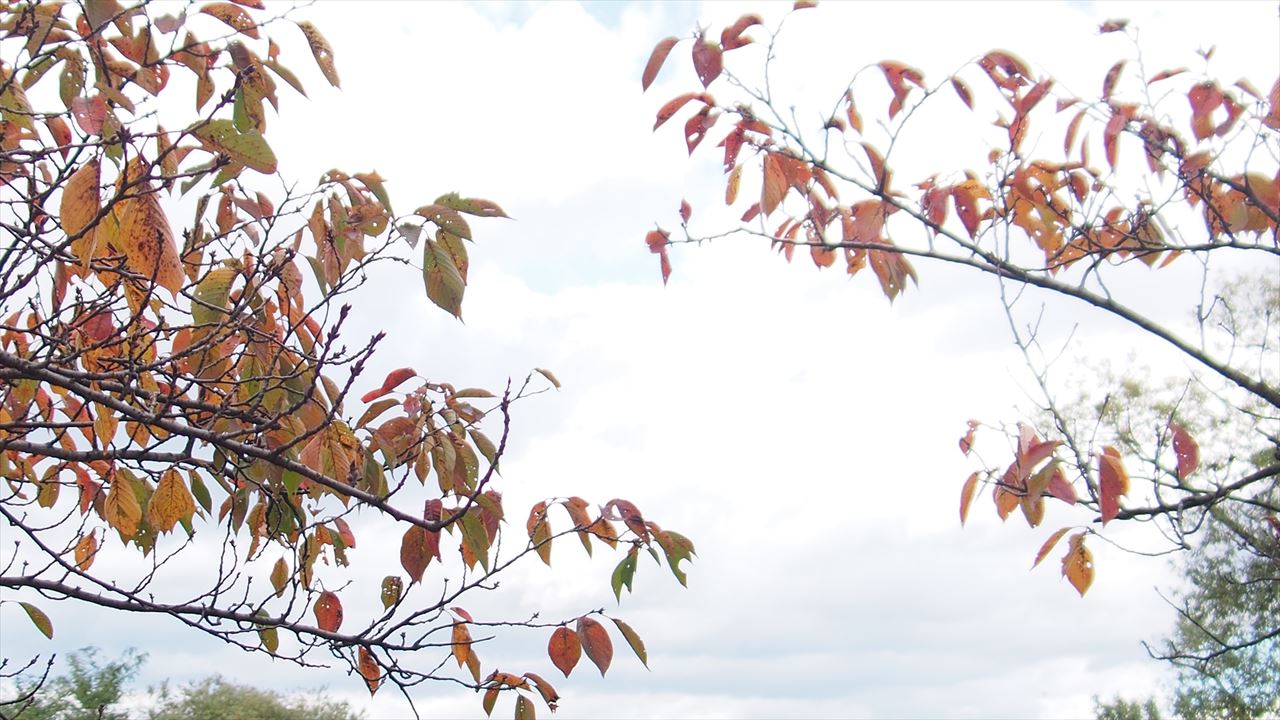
179 394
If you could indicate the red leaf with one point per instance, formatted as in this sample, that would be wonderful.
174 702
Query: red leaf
1186 448
564 649
966 496
89 113
1111 26
344 532
1111 136
696 128
656 59
751 212
1113 482
328 610
657 240
898 76
685 210
369 669
595 643
708 61
417 547
666 112
1166 74
394 378
1060 488
731 37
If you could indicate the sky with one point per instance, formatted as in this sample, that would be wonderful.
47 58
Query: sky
799 428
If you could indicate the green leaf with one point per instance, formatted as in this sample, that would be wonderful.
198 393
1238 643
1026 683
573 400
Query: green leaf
637 645
624 573
444 283
471 206
38 617
474 536
249 148
392 589
210 301
676 547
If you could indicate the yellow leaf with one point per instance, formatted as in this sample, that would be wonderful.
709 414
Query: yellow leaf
171 502
147 240
80 205
322 51
1077 564
121 509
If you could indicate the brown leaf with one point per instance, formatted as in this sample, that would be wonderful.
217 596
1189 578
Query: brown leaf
595 643
963 91
656 59
667 111
234 16
564 649
80 205
731 37
86 551
774 187
417 547
1109 83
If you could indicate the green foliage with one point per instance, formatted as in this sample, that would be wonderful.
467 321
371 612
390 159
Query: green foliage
1121 709
91 690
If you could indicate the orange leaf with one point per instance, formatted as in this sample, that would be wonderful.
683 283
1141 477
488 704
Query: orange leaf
1113 482
394 378
966 442
1186 448
1047 547
564 649
774 186
966 496
121 509
80 205
898 75
86 551
656 59
328 611
595 643
461 642
540 531
1060 488
369 669
1077 564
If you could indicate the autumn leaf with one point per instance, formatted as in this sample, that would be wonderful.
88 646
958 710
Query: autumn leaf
966 496
1077 564
595 643
1186 449
731 37
369 669
460 643
80 205
656 59
417 547
524 709
774 187
898 76
85 552
445 284
170 503
147 240
392 381
708 61
564 649
121 508
550 376
328 612
392 589
1113 483
668 111
246 148
1048 545
322 52
280 576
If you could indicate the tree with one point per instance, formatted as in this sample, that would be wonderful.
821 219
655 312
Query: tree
91 691
1077 197
1120 709
188 397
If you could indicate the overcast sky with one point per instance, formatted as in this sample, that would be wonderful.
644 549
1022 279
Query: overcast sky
797 427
